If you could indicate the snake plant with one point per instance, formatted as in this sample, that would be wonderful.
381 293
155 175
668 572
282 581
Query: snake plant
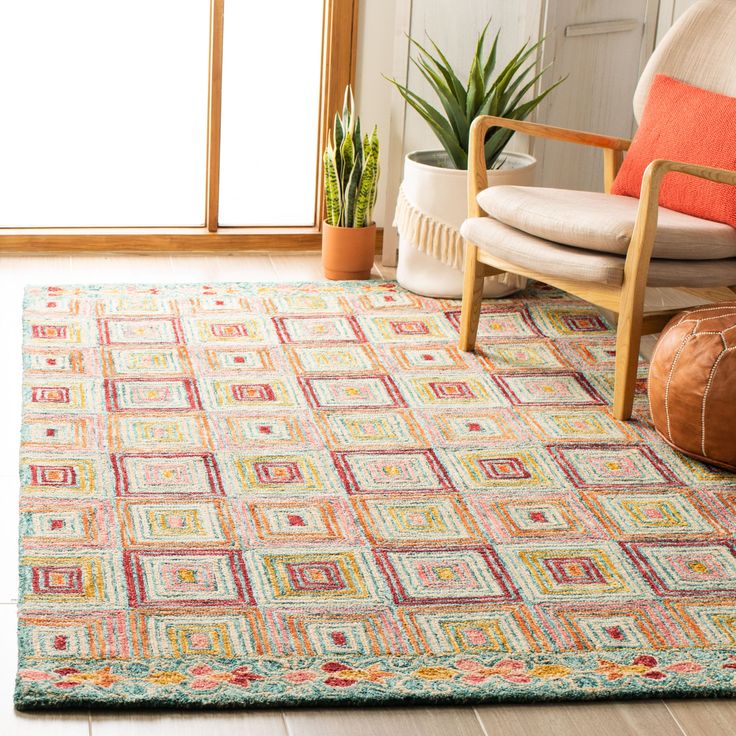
502 95
351 169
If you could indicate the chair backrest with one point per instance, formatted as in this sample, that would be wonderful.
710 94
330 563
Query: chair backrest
699 49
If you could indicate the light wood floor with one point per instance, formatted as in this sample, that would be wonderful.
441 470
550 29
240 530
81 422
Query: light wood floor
645 718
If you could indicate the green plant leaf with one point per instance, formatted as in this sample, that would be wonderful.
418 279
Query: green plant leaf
347 157
351 111
513 83
375 153
454 111
490 64
515 63
499 137
362 201
350 191
523 111
332 188
512 69
476 82
439 125
454 84
338 133
495 143
514 103
358 142
460 91
375 143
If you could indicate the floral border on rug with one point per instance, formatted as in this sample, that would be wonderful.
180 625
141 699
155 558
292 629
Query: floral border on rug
273 682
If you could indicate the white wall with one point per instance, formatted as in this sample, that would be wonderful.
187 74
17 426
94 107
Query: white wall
376 32
669 12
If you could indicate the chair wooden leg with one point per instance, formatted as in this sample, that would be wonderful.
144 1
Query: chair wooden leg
628 339
472 298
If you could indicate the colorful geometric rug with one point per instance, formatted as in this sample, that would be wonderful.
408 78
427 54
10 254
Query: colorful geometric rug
242 494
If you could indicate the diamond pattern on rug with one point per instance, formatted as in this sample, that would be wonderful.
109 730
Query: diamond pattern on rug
282 494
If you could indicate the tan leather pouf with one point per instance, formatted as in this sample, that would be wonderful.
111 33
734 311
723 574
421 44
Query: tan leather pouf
692 384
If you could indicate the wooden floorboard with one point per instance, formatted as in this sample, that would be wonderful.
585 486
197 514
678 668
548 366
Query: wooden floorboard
384 722
210 723
9 530
704 717
634 718
235 268
642 718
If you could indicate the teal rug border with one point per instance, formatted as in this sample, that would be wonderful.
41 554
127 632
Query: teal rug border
603 675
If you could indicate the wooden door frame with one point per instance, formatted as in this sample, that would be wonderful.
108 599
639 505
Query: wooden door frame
339 53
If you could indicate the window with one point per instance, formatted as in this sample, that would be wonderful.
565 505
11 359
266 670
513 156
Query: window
113 117
270 119
105 120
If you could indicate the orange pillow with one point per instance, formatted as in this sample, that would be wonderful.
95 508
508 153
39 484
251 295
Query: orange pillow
684 123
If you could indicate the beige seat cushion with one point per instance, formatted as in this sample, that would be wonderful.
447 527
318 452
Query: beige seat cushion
604 222
552 259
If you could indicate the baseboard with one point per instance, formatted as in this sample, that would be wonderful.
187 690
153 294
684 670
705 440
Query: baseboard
162 240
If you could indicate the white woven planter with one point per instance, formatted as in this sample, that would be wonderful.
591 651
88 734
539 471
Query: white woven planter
431 207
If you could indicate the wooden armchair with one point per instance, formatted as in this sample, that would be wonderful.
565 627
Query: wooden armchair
611 279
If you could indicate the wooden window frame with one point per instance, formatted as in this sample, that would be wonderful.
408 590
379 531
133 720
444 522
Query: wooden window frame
339 47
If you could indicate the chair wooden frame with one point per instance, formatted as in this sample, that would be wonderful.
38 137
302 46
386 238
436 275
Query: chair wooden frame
627 300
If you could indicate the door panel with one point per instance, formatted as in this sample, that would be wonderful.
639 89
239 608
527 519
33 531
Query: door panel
600 46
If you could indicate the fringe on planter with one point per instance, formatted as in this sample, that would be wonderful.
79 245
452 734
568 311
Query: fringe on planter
427 234
438 239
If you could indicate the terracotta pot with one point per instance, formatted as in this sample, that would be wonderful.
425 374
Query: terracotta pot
348 252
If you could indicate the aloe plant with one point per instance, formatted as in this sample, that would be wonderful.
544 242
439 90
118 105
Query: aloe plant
351 169
502 95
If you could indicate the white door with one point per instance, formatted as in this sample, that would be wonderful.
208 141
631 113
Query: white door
602 47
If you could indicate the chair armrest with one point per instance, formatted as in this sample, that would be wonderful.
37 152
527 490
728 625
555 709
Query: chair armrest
484 122
477 177
651 182
658 168
645 225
